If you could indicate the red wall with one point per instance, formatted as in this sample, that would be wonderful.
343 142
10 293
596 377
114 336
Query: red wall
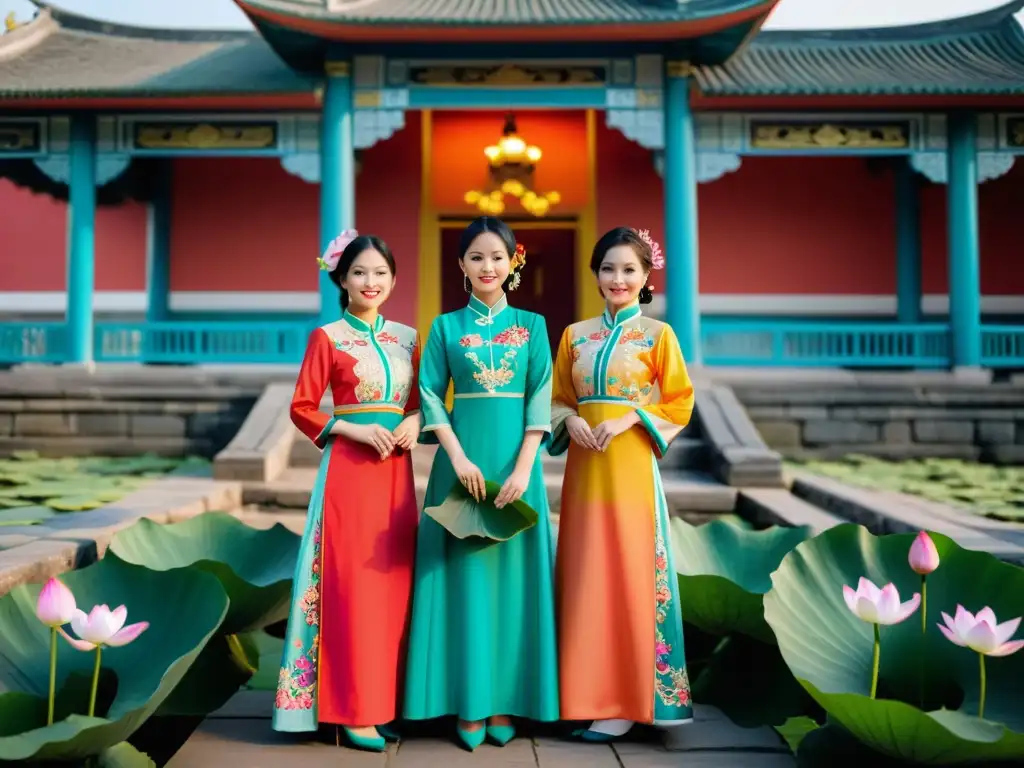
777 225
802 225
33 243
246 224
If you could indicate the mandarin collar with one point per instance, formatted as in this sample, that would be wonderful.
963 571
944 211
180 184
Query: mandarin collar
624 315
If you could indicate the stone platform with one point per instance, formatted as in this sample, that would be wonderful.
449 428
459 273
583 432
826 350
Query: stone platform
240 734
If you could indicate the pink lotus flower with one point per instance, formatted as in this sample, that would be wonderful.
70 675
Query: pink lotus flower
103 627
924 557
981 632
56 604
879 606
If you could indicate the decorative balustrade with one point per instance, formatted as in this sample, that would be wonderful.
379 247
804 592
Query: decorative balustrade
726 342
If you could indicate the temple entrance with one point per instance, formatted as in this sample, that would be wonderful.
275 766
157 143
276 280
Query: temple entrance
549 279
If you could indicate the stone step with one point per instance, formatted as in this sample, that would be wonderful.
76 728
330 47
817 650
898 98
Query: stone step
884 512
693 495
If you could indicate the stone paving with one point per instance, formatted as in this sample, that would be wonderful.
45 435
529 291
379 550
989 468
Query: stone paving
240 734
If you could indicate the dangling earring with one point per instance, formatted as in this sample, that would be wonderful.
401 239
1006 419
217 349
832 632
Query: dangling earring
466 284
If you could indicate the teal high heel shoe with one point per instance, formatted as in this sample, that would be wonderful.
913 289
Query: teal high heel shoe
500 735
389 733
471 739
365 743
594 737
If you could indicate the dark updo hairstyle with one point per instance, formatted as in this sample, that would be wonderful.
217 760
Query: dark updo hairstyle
490 224
351 253
630 237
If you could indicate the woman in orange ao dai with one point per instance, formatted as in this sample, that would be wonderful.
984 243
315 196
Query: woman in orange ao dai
621 394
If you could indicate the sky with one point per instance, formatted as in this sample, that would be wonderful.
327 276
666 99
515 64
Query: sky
790 14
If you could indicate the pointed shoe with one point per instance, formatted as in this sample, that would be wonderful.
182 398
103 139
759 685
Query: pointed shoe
500 735
594 737
472 739
389 733
365 743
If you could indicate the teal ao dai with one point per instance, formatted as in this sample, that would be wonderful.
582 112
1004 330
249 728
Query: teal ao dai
482 639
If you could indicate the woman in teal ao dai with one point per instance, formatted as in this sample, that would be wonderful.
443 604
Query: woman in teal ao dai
482 640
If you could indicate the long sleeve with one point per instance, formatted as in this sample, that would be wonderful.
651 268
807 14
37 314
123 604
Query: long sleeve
314 377
665 419
538 378
563 398
412 405
434 376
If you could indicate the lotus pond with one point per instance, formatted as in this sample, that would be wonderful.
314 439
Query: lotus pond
770 641
985 489
34 488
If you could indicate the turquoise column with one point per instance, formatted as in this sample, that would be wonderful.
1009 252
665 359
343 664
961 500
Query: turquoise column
158 246
964 252
908 244
337 173
682 290
81 238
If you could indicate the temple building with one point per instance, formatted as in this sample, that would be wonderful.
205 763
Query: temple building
835 198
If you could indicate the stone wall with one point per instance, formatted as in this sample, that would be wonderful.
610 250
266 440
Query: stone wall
153 412
967 421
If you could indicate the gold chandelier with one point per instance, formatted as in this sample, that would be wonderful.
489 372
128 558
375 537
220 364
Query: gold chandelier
510 166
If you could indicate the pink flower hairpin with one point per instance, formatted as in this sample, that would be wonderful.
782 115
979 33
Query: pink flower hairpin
657 258
334 249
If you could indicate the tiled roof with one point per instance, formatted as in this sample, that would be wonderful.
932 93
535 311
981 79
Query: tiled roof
505 12
62 54
980 54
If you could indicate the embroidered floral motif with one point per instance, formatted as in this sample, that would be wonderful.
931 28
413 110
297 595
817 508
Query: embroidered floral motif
344 345
636 336
630 390
492 378
472 340
672 683
369 392
513 336
296 682
386 338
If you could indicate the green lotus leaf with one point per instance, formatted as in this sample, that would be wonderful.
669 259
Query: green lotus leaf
463 516
269 650
75 503
254 566
829 650
796 729
749 682
724 571
32 515
124 755
184 609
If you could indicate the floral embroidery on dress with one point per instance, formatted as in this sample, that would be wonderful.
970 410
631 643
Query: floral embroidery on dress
636 336
492 378
672 683
386 338
369 392
344 345
472 340
296 682
513 336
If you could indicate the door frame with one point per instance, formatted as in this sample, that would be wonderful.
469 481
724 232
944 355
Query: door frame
428 298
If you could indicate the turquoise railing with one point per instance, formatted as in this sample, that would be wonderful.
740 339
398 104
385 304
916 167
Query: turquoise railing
201 343
824 344
1002 346
33 342
726 341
